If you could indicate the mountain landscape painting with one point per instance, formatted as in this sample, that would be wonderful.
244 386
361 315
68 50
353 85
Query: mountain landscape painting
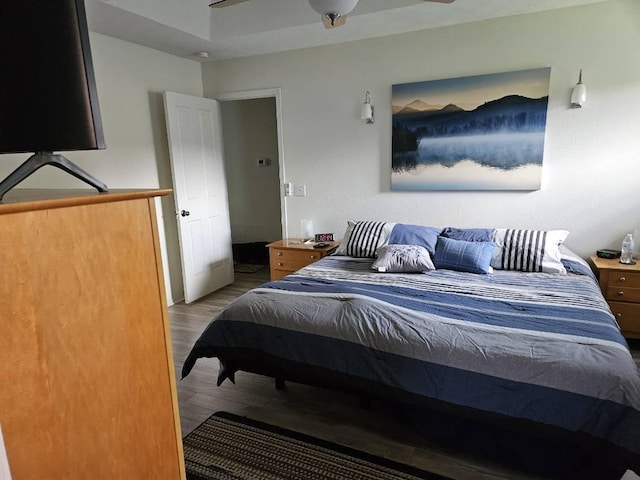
484 132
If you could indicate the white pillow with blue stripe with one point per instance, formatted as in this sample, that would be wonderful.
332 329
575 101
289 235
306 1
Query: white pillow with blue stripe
362 239
528 250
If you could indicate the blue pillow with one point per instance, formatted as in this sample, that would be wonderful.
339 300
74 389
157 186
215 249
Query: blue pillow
474 257
469 234
415 235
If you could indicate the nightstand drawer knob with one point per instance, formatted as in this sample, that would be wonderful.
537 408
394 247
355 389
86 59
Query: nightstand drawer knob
622 279
313 256
279 254
619 315
279 264
620 293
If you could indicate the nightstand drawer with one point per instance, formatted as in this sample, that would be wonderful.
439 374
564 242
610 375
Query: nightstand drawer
308 256
620 284
278 274
624 279
288 255
627 315
623 294
288 265
292 260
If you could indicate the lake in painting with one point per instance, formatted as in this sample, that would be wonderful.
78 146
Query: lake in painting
471 133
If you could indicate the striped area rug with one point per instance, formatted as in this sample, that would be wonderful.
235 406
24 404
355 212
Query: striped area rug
229 447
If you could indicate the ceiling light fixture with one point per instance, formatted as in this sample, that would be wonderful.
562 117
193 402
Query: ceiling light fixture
333 9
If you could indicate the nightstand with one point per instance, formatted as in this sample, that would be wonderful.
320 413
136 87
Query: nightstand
620 285
291 254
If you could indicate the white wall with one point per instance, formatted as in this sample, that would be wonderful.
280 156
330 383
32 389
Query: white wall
130 80
591 155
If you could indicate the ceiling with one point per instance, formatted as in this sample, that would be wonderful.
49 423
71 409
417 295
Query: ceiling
257 27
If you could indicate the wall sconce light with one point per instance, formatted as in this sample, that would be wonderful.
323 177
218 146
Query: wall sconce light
367 109
579 93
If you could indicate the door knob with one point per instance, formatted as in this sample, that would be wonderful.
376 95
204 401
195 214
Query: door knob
185 213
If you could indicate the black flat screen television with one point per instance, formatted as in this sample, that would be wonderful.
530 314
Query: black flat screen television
48 97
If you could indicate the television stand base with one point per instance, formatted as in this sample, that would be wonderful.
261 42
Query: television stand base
40 159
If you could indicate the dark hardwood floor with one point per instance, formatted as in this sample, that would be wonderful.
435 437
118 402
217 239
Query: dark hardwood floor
324 414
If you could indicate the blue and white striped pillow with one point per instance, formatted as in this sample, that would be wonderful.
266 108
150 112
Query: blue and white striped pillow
528 250
362 239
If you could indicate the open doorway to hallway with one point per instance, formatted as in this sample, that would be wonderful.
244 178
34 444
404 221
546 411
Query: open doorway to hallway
250 140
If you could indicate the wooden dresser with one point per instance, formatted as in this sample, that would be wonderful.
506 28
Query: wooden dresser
620 285
88 385
291 254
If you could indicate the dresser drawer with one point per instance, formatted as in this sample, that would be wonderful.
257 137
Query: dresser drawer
628 317
624 279
623 294
292 260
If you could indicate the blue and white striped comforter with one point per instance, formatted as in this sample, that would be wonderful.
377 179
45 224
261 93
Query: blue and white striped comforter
528 346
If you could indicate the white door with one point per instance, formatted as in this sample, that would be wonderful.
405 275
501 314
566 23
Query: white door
5 474
200 192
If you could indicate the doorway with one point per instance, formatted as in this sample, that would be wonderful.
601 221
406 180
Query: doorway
252 157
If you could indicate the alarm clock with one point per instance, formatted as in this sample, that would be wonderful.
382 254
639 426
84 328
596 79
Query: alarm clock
324 237
608 253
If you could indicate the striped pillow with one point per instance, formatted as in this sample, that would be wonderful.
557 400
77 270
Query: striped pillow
362 239
528 250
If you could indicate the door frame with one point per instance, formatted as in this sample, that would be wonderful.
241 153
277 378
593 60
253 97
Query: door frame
275 93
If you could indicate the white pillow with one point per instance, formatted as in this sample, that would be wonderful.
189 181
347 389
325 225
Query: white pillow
528 250
403 259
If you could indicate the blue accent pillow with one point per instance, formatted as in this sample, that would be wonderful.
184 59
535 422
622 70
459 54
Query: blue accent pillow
469 234
473 257
426 237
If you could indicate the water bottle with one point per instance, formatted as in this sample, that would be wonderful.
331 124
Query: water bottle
627 250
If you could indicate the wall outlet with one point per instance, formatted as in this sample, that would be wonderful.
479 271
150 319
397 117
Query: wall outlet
300 190
288 189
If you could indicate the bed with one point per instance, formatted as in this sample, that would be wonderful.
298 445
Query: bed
525 367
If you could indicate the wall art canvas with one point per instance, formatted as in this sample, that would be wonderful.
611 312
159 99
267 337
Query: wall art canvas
484 132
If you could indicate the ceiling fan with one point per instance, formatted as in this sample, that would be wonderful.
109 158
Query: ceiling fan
334 12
